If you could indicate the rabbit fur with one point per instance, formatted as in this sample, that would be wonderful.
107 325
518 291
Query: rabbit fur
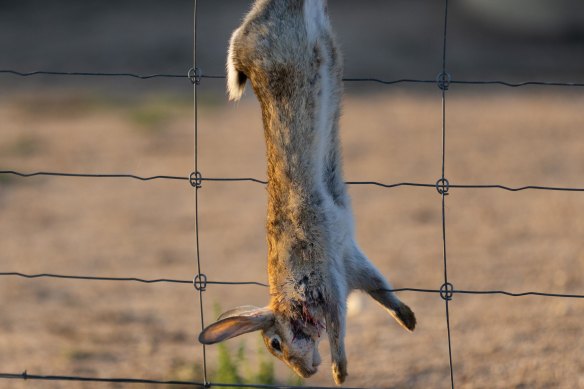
287 50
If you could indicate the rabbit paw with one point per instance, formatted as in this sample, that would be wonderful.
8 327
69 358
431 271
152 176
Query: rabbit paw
340 371
405 317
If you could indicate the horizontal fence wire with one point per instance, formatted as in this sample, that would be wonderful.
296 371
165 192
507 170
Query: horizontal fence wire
348 79
257 283
26 376
263 182
101 74
126 279
92 175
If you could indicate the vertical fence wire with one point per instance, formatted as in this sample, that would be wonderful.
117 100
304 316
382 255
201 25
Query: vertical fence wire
200 279
443 80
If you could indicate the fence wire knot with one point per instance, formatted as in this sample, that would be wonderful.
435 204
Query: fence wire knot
447 291
196 180
442 186
25 375
200 282
195 75
443 79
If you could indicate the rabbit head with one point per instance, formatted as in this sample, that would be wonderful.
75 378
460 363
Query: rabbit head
292 340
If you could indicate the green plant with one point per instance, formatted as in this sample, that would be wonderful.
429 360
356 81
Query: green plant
24 146
151 118
6 179
182 370
227 370
235 368
265 373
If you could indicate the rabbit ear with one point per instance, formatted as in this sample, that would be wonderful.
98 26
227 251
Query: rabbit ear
232 326
235 77
244 310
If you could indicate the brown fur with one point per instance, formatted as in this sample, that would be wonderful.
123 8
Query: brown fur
287 50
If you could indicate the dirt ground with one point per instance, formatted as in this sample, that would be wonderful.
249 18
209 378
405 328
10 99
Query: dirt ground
523 241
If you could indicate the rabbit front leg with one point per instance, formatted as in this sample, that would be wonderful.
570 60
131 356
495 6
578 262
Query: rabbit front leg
365 276
335 327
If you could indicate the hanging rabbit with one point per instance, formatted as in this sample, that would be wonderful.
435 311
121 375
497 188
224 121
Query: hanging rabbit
287 51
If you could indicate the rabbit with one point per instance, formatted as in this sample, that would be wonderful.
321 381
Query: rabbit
287 50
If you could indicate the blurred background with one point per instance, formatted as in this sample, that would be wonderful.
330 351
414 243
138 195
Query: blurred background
514 40
524 241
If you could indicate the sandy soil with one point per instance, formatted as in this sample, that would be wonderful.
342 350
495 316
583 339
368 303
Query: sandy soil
524 241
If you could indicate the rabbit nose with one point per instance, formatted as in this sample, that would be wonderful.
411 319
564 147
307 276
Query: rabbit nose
310 372
305 371
316 363
316 360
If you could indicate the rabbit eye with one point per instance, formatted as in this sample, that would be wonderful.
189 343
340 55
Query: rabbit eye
275 344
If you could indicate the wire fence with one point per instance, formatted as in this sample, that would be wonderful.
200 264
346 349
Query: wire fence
196 179
189 75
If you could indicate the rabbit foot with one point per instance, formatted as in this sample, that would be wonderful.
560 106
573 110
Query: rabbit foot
405 317
340 371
